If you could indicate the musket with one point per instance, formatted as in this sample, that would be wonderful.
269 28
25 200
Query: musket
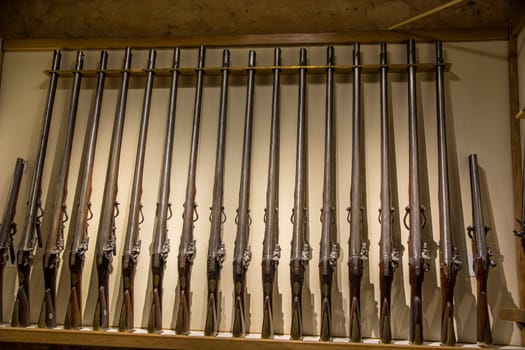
242 253
79 233
110 205
450 262
161 243
187 243
55 240
389 256
483 258
8 227
329 251
31 233
301 251
358 251
271 249
419 255
216 251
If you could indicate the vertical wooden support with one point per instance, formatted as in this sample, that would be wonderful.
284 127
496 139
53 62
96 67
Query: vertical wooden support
515 139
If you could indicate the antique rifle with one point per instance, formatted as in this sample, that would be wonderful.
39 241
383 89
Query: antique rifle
161 243
483 258
55 240
8 227
449 258
389 256
329 251
216 249
271 249
31 233
419 255
358 251
301 251
187 243
79 227
242 253
110 205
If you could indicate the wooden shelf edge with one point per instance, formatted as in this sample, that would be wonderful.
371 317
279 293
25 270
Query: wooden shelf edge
166 341
252 40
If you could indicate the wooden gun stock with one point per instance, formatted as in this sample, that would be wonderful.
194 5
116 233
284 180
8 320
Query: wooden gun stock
101 317
73 318
47 313
182 325
297 281
128 283
21 312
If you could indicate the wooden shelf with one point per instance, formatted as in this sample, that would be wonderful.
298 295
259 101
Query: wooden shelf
168 340
345 69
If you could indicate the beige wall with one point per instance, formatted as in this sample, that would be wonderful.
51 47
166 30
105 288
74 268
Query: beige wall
477 116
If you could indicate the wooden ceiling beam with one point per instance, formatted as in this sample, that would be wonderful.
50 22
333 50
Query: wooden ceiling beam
253 40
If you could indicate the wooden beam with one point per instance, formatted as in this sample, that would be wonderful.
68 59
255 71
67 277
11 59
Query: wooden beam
515 140
168 341
518 20
252 40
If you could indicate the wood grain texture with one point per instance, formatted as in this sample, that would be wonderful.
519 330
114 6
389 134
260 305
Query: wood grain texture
63 338
254 40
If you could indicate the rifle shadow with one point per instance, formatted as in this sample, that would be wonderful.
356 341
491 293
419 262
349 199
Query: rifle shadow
465 300
278 314
500 297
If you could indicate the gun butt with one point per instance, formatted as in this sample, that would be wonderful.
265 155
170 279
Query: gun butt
326 320
296 331
355 321
484 332
21 310
210 328
74 312
126 314
384 323
155 316
183 316
448 335
47 316
101 318
416 322
267 325
238 318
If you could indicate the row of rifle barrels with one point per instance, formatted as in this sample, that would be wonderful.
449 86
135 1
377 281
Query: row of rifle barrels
300 253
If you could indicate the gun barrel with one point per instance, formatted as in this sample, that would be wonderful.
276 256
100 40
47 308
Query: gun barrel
483 258
160 246
217 217
242 252
329 250
271 249
301 251
388 254
8 227
187 243
418 254
357 249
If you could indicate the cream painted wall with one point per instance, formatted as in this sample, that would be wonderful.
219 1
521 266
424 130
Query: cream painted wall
477 116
